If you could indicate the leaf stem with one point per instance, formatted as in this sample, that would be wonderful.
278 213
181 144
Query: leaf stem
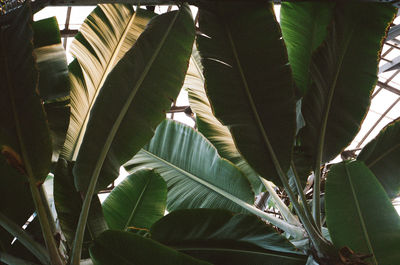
77 245
45 225
9 259
286 213
301 194
38 250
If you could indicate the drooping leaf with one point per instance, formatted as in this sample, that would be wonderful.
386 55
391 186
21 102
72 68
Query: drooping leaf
216 228
210 126
382 156
68 204
196 176
359 213
104 37
137 202
250 86
51 60
150 74
54 84
124 248
304 26
24 133
344 73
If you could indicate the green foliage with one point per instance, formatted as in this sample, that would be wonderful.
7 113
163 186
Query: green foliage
183 158
359 213
381 156
137 202
263 109
248 81
124 248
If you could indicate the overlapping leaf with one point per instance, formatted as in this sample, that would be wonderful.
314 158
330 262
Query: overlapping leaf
248 81
210 126
24 133
122 121
382 156
125 248
304 26
197 177
54 85
105 36
137 202
344 73
360 215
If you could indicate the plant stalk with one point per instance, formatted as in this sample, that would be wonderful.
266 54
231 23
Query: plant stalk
301 194
45 225
34 247
286 213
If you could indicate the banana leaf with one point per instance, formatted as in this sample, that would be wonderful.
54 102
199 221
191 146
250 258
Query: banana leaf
249 83
196 176
103 39
360 215
135 97
137 202
344 73
382 154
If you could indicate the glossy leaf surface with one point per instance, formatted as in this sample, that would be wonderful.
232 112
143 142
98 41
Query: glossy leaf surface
137 202
124 248
382 156
360 215
344 73
249 86
197 177
150 74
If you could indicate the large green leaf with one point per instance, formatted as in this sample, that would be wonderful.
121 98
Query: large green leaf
360 215
382 156
54 85
210 126
216 228
105 36
344 73
68 203
248 80
197 177
150 74
137 202
304 26
24 133
125 248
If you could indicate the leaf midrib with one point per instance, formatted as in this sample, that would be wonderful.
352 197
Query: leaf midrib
252 103
392 149
294 230
138 202
359 213
237 251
